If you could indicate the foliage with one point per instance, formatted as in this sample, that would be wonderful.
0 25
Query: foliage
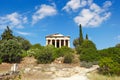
24 54
89 55
45 55
88 44
36 46
85 45
0 60
61 52
76 42
34 50
68 58
7 34
113 53
25 44
108 66
80 35
10 51
12 47
86 64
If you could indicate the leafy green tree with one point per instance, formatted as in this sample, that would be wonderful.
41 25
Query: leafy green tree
61 52
11 47
113 53
108 66
36 46
85 45
88 44
89 55
80 35
76 42
10 51
7 34
45 55
25 44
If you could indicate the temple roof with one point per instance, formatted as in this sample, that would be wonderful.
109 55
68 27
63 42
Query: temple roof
56 35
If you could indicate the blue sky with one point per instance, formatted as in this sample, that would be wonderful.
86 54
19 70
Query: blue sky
34 19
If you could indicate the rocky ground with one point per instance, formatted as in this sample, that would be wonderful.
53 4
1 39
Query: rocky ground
29 70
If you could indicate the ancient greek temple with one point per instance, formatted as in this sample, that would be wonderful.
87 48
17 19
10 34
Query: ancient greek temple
58 40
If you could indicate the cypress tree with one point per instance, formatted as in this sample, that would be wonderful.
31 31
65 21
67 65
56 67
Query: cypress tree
7 34
86 36
80 35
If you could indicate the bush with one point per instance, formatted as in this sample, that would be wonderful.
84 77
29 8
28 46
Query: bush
45 55
89 55
10 51
24 54
113 53
0 60
61 52
86 64
85 45
68 58
108 66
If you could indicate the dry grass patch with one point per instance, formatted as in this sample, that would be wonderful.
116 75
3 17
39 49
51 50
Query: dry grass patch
96 76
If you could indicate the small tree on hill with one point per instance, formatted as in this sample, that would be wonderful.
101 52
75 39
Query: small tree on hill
7 34
80 35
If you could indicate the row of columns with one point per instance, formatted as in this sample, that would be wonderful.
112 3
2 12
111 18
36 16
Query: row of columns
58 43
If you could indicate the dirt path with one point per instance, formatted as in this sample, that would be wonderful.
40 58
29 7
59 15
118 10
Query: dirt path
56 72
32 71
79 76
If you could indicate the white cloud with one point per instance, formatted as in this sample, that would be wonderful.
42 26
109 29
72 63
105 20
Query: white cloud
13 20
72 4
94 15
42 12
107 4
23 33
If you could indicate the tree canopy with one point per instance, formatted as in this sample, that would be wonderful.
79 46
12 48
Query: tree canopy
7 34
11 47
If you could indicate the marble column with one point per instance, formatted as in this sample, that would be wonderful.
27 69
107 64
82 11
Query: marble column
46 42
55 43
51 42
68 43
64 43
60 43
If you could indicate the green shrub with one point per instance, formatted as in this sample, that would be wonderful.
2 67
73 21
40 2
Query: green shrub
85 45
61 52
112 52
0 60
68 58
10 51
24 54
45 55
108 66
86 64
89 55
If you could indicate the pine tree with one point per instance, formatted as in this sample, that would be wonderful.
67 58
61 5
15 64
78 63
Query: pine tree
86 36
80 35
7 34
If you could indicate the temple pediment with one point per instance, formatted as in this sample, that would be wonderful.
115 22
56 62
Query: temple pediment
58 40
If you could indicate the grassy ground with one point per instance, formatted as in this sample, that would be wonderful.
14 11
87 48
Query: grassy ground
95 76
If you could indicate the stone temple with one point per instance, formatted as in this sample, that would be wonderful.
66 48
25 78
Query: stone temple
58 40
